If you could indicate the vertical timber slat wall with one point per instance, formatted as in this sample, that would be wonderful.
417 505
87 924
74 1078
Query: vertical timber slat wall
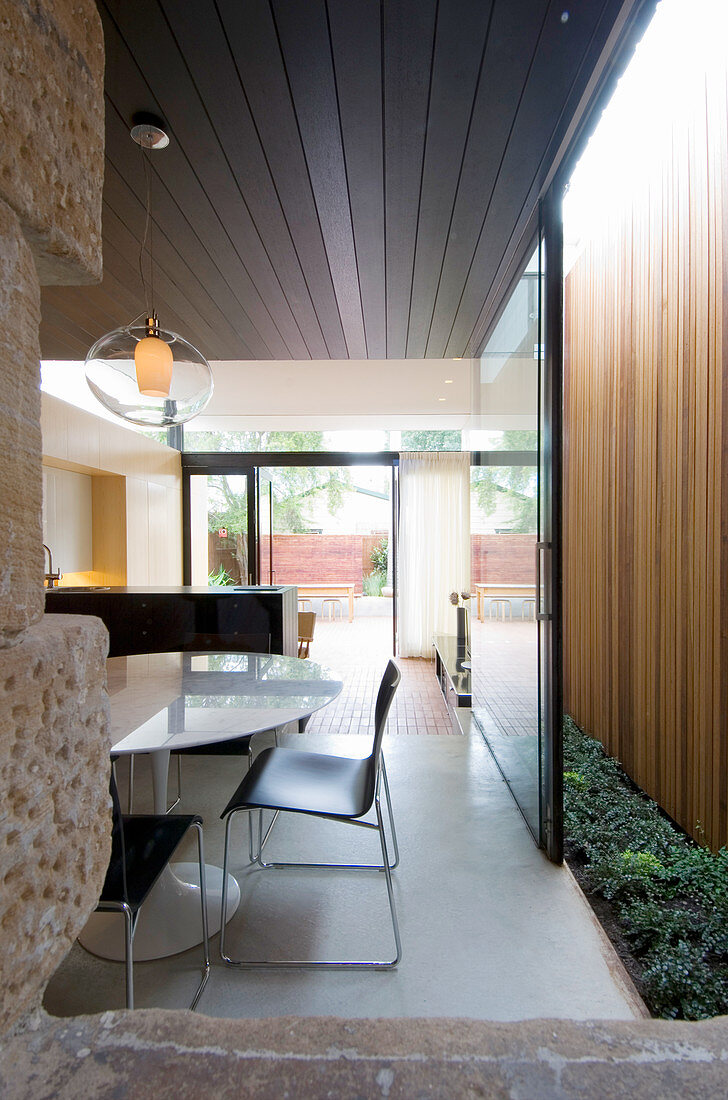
646 533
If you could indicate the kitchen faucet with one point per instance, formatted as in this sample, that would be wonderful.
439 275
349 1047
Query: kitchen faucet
51 577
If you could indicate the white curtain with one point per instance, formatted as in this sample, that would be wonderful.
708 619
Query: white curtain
433 552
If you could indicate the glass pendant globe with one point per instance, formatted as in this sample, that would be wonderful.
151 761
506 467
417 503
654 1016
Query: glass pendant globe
114 376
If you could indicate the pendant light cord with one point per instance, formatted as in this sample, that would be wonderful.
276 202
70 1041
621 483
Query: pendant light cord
148 230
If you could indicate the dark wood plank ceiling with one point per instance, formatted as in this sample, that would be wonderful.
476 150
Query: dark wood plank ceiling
344 176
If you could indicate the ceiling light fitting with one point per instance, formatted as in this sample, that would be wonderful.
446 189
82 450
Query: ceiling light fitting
142 372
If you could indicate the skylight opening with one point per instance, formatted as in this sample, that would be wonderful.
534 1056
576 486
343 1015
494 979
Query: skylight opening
683 48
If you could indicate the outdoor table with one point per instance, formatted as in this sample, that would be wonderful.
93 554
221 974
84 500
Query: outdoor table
166 701
317 590
485 591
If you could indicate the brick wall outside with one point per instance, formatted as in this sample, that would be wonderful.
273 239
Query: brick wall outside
318 559
503 559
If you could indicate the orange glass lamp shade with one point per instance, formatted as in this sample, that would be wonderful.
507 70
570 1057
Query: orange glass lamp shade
153 361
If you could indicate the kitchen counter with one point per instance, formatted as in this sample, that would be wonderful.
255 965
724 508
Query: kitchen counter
164 618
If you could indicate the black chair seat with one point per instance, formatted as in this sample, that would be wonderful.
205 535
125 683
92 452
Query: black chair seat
140 854
306 783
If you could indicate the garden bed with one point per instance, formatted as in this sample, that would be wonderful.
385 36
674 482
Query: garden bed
662 898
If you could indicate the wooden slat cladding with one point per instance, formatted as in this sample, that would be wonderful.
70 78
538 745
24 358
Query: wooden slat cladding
646 544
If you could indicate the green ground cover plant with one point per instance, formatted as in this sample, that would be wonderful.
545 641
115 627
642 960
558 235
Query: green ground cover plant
667 896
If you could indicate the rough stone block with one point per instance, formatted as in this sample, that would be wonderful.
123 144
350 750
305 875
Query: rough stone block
55 820
21 489
52 148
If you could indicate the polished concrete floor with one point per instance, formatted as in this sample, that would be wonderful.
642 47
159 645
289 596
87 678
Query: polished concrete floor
490 929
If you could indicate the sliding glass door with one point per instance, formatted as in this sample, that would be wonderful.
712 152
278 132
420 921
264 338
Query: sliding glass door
516 673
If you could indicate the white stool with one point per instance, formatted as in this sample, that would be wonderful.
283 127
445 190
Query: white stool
528 608
332 605
304 604
502 609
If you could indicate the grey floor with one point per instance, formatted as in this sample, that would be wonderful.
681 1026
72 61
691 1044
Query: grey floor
490 929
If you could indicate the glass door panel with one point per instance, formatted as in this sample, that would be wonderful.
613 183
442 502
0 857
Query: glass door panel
264 508
221 516
510 548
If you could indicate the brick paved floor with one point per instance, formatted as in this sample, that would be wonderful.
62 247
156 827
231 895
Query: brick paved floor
358 652
505 657
505 674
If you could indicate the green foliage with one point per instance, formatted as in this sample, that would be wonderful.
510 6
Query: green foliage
294 487
253 441
220 577
372 584
431 441
517 484
671 896
380 556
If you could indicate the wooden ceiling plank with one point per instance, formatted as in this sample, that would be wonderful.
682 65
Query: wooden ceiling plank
253 39
114 302
511 47
357 49
180 269
168 84
304 36
59 344
91 312
409 28
201 37
555 68
192 208
63 323
170 222
120 260
460 41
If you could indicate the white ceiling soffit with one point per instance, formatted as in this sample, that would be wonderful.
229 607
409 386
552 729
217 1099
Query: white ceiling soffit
344 393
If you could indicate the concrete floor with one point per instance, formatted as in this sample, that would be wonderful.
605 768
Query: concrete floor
490 929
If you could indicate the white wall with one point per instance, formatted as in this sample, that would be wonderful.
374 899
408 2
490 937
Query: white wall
67 524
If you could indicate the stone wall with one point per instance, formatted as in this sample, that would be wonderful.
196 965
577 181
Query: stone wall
54 740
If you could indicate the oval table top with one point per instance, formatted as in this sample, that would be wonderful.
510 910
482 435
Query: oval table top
165 701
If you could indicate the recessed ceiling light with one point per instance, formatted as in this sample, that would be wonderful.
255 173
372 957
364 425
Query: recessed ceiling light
441 399
448 381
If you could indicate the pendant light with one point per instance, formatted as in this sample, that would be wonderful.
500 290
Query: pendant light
142 372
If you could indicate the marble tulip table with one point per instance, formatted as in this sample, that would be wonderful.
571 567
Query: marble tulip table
165 701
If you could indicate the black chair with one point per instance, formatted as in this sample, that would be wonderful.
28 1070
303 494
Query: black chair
334 787
141 847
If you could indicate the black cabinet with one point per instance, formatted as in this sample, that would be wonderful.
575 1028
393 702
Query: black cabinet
159 620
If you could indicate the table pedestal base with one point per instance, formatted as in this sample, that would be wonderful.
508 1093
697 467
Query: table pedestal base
170 920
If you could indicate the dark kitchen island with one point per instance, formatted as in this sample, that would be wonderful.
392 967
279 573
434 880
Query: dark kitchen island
255 619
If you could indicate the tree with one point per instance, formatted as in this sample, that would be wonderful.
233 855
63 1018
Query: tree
448 440
517 484
294 487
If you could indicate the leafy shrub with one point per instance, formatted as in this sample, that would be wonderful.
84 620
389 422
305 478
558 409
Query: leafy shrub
372 584
219 577
379 557
670 896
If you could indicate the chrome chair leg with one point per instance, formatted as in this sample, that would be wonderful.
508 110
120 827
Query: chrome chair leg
300 964
390 886
179 786
390 814
130 800
205 928
129 925
130 920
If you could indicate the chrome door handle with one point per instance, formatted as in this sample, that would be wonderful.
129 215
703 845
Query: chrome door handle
543 613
